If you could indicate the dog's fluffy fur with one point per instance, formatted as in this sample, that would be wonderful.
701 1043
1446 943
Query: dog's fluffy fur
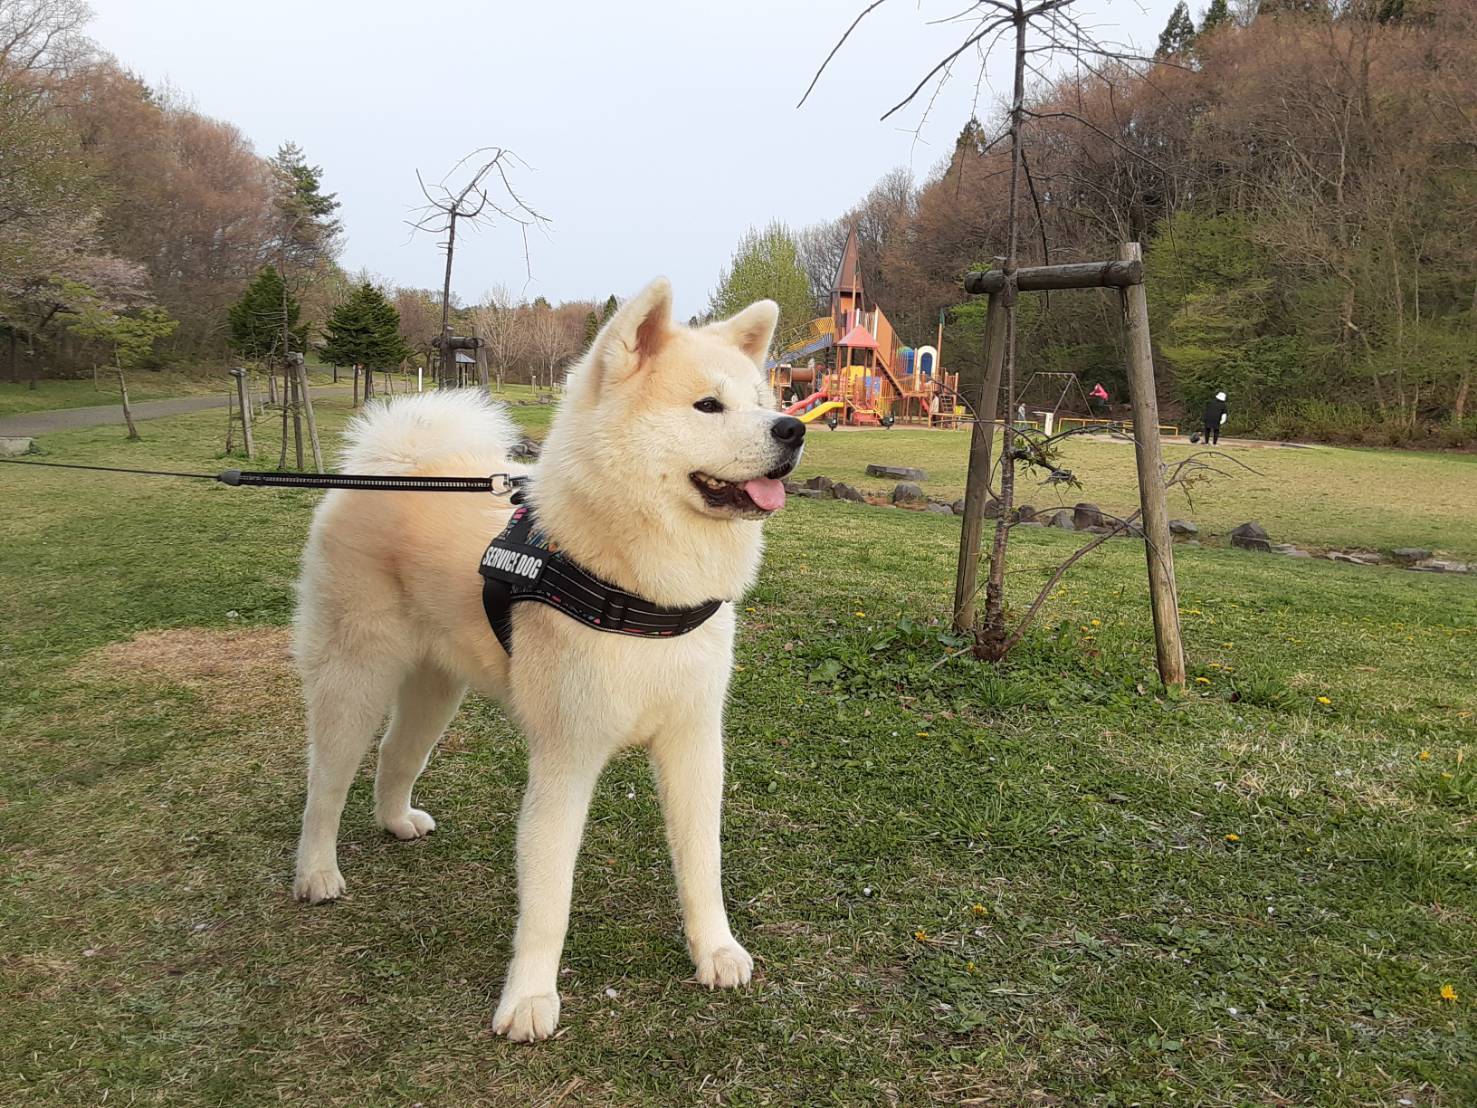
390 619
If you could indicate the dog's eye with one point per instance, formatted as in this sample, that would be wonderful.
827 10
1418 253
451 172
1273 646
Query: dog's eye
710 404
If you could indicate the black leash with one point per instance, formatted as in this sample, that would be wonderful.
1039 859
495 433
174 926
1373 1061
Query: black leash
499 484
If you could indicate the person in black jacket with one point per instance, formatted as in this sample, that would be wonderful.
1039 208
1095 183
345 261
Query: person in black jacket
1215 417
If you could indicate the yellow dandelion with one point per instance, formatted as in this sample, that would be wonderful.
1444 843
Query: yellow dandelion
1324 700
1228 645
748 609
979 910
921 935
922 734
1097 623
1448 993
1233 838
861 615
1202 680
1424 755
969 967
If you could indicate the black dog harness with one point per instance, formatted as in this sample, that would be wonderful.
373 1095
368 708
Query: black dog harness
521 564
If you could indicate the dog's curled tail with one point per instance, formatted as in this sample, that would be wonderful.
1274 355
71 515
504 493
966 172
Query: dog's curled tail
426 432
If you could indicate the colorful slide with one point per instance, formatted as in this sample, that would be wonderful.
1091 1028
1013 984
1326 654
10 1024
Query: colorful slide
802 406
819 410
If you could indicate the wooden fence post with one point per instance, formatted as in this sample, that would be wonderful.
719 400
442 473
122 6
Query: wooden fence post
1163 595
977 487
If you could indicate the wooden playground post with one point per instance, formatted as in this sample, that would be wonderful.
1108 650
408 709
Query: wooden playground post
1158 548
981 445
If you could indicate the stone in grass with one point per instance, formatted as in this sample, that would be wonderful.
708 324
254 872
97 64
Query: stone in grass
1410 554
1436 565
1086 516
1182 527
1291 551
898 473
957 507
1353 558
14 447
820 484
842 491
941 509
1025 513
813 494
908 495
1251 536
1063 520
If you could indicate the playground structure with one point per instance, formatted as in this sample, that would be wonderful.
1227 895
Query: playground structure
872 379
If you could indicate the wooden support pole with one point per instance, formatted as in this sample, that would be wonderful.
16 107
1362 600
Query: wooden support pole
1079 275
289 372
1163 595
977 487
302 385
230 419
245 406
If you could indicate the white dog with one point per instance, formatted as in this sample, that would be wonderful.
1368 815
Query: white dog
657 472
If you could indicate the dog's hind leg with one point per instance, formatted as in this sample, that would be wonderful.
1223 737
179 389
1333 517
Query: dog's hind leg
688 760
425 704
346 704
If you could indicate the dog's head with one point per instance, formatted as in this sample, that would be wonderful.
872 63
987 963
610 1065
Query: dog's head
684 414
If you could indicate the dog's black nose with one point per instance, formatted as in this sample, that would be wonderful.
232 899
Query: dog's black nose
788 430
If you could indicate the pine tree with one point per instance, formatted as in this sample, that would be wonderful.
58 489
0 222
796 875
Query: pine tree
1178 34
609 310
255 320
307 232
364 330
1217 15
592 327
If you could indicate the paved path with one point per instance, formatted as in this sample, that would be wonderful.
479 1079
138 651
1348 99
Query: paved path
31 424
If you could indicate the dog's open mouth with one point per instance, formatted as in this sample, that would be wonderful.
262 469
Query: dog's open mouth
753 498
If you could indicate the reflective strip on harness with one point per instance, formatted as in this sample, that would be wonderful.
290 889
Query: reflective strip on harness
520 565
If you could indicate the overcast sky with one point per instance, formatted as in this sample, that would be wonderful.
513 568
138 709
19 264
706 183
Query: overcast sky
656 131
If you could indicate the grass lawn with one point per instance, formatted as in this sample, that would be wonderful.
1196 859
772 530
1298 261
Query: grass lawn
1323 496
143 384
1041 886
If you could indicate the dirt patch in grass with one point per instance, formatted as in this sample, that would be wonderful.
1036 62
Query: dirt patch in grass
228 668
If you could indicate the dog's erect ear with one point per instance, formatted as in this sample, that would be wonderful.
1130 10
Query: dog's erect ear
635 333
751 330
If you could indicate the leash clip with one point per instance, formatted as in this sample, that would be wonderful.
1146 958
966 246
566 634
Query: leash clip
505 484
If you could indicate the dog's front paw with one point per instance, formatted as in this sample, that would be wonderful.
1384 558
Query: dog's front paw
724 967
526 1019
411 824
318 884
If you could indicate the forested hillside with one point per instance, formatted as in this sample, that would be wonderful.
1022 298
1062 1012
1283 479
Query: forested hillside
1304 179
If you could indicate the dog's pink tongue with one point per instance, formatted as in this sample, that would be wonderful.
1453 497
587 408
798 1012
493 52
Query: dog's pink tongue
766 492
